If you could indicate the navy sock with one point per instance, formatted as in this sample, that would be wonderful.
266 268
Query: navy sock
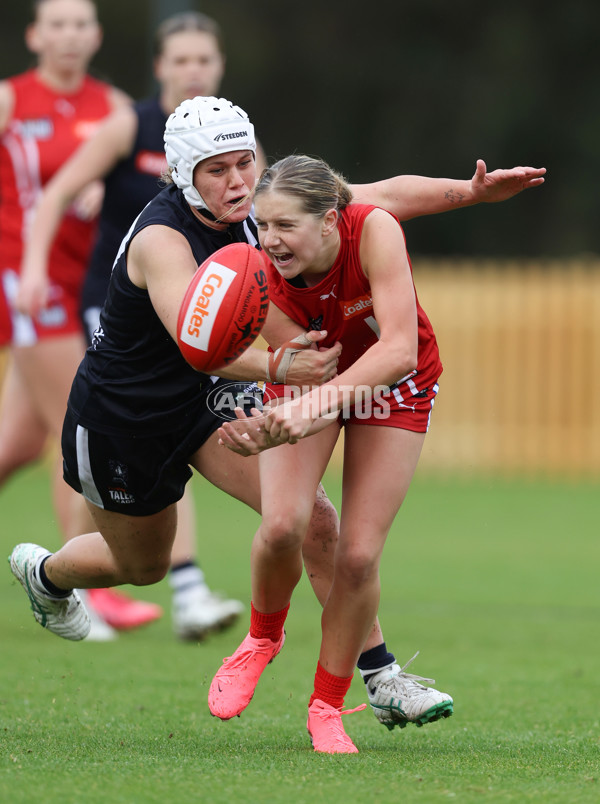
53 590
183 565
374 659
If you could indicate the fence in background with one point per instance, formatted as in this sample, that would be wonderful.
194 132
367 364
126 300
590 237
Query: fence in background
520 343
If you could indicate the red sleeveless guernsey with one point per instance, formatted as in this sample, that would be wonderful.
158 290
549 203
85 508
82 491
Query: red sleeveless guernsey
45 129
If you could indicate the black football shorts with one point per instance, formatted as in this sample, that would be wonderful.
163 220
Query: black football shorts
139 475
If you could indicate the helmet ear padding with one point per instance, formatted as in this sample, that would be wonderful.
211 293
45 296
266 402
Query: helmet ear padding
199 128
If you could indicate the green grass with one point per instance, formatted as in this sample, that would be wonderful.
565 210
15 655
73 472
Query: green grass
496 583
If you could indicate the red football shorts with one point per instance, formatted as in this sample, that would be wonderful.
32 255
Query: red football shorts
59 317
405 406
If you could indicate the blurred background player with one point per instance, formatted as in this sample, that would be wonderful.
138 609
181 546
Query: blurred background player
45 114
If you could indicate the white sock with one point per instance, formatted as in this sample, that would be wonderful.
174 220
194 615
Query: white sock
185 578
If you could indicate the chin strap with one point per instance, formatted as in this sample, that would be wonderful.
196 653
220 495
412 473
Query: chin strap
279 361
206 213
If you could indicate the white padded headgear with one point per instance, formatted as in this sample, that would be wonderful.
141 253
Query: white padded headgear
199 128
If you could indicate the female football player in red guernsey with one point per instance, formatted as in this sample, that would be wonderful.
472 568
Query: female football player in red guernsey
341 267
45 114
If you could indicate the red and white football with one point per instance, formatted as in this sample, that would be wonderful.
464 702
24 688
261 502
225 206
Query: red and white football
224 307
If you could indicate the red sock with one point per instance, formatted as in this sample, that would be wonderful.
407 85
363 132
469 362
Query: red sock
330 689
267 626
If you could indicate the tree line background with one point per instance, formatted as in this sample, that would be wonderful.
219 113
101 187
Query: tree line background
387 87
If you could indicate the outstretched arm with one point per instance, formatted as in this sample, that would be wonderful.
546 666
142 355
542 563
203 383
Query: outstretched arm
411 196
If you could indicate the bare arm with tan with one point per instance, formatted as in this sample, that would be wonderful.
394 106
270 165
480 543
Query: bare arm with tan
409 196
113 141
7 101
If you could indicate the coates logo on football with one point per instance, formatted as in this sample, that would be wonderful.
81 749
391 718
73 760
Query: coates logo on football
356 306
202 310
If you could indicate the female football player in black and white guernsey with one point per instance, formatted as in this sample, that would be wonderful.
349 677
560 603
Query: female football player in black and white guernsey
139 416
127 153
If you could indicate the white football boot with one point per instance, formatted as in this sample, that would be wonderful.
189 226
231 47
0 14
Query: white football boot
197 611
398 698
66 617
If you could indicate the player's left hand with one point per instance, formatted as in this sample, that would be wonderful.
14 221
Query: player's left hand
287 423
500 185
246 435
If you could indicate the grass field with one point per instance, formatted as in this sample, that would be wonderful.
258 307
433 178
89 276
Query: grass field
496 583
